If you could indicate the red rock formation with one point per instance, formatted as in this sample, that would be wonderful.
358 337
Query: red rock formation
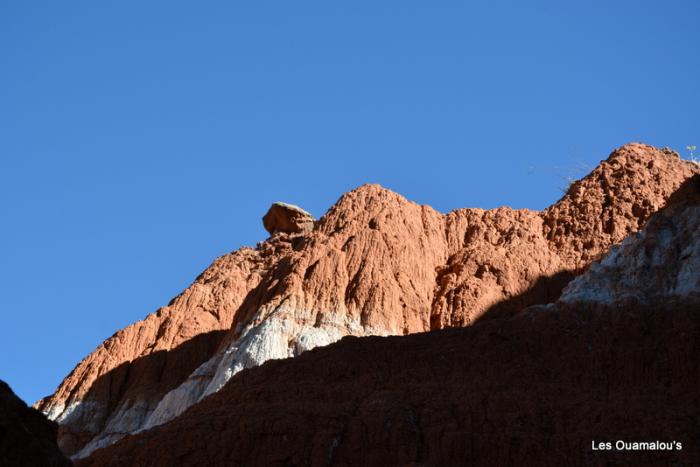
375 264
117 379
612 201
27 438
661 261
612 361
510 252
504 254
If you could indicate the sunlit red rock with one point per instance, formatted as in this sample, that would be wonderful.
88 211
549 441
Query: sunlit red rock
374 264
613 361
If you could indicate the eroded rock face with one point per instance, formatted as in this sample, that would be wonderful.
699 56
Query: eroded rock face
614 200
658 262
612 360
114 389
504 254
26 436
287 218
375 264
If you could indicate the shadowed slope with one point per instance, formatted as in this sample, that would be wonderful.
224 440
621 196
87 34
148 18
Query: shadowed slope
536 389
27 438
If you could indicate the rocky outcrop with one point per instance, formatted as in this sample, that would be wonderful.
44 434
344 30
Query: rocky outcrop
287 218
375 264
614 200
512 259
504 254
658 262
611 361
26 436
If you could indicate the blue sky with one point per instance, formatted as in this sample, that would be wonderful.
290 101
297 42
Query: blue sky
140 140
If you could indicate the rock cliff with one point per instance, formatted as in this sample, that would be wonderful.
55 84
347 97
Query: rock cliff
612 361
374 264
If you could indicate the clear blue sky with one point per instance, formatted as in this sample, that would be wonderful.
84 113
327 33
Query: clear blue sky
140 140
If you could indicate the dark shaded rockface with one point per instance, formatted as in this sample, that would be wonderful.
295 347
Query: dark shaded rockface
27 437
535 389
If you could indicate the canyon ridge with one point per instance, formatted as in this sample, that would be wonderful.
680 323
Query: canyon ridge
377 264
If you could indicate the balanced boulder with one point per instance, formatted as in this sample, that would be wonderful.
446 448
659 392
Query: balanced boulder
287 218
